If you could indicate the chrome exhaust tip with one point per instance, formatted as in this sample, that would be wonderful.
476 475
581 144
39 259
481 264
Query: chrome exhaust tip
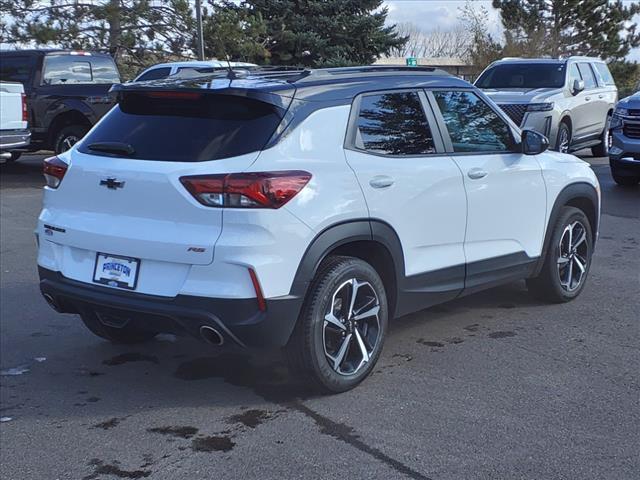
52 303
211 335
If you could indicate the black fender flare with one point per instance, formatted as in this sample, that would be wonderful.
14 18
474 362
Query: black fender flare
567 194
342 233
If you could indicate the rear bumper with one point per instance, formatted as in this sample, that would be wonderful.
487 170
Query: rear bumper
239 321
11 139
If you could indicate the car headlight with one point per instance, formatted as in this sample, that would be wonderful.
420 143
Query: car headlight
621 112
540 107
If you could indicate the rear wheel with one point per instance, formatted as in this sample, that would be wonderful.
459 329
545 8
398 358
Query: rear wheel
125 334
342 327
602 150
568 259
68 136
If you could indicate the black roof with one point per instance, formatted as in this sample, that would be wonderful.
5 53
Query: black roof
326 84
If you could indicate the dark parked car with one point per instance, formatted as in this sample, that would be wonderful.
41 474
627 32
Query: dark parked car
66 91
624 154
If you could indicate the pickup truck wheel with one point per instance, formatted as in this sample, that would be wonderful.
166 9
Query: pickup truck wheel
339 335
602 150
68 136
567 260
125 335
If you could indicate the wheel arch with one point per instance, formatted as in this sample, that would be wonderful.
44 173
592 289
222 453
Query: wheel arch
579 195
70 117
373 241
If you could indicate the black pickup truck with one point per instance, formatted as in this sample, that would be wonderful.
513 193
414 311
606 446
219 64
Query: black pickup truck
66 91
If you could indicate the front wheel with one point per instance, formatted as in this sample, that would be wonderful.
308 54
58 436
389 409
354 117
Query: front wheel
568 259
624 181
342 326
563 143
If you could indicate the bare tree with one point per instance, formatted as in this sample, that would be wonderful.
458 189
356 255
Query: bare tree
437 43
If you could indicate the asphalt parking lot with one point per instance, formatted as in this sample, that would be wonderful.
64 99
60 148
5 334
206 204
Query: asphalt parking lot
495 385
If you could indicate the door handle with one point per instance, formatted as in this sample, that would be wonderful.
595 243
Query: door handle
600 96
477 173
587 98
381 181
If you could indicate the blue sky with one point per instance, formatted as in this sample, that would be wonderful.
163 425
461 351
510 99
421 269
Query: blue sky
444 14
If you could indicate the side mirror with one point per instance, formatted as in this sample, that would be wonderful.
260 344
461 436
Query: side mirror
578 86
533 143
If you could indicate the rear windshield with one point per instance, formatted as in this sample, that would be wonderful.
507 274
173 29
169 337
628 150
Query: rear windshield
69 69
523 75
193 127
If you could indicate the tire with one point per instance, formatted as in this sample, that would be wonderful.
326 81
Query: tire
624 181
329 355
563 139
561 279
602 150
68 136
123 335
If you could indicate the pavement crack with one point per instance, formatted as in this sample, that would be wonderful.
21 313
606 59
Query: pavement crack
345 434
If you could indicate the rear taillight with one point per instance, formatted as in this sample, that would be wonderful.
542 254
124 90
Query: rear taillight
54 170
246 190
25 113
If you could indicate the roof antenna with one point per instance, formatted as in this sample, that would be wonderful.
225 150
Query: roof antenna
231 75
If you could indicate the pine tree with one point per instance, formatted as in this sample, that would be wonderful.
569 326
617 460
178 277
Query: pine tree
134 31
599 28
324 32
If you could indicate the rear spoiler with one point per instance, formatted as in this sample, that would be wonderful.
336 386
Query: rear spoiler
274 92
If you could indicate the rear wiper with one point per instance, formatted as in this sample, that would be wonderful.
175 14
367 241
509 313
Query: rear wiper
117 148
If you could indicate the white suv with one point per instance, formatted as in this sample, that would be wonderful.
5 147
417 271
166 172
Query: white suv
305 210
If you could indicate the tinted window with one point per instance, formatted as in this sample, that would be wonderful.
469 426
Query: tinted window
394 124
587 76
65 70
473 126
155 74
16 69
191 128
523 75
103 70
605 74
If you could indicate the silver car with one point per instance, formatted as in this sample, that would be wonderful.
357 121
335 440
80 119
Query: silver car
568 100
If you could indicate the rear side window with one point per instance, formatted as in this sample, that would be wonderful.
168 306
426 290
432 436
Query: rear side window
393 124
103 70
155 74
605 74
186 126
70 69
587 76
473 126
16 68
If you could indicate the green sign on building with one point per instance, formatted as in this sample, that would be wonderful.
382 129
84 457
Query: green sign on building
412 62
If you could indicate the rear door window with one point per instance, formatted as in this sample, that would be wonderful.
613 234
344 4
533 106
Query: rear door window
393 124
588 76
473 126
16 68
605 74
186 126
155 74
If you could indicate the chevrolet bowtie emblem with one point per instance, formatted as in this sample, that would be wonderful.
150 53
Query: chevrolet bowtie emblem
111 183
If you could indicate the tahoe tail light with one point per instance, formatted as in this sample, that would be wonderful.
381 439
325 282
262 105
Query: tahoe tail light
54 170
25 113
246 190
